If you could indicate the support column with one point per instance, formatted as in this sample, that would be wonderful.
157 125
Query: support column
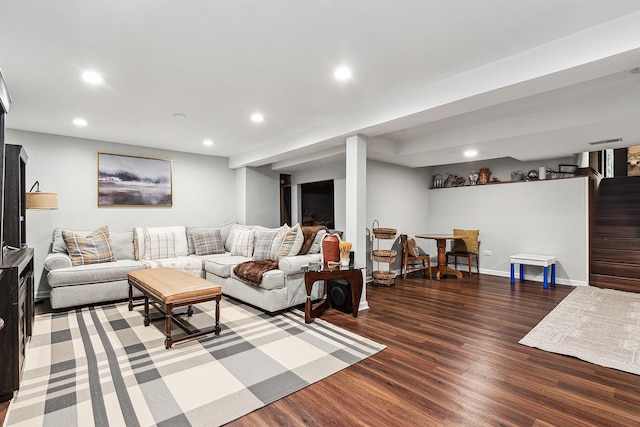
356 205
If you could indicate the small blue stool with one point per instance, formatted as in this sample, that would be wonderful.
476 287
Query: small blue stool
539 260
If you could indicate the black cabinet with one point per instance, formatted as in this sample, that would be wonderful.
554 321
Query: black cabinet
16 309
15 161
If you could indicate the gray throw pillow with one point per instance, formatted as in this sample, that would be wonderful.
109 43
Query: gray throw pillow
208 242
263 243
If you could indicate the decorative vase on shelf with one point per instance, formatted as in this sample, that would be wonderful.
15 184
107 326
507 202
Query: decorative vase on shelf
483 176
473 178
331 248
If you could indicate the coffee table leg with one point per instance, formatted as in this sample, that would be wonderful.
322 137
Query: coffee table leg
130 297
218 315
147 322
189 311
168 342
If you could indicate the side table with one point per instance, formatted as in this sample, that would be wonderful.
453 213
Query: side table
351 274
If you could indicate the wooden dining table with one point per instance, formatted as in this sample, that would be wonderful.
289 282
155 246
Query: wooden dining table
441 241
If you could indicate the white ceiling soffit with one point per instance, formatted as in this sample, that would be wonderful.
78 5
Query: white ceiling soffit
580 66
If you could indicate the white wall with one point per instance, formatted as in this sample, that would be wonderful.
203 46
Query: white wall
203 189
397 197
263 197
547 217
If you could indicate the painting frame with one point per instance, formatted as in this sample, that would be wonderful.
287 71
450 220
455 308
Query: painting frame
134 181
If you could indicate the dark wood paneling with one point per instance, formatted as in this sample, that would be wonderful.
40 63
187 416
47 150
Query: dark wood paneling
615 243
615 255
618 269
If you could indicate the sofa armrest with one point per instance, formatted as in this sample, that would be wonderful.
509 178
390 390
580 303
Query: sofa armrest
57 260
293 264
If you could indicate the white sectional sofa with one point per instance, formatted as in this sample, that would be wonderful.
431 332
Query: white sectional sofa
280 288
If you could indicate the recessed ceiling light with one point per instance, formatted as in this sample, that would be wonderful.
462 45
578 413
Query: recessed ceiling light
470 153
92 77
79 122
257 117
342 73
208 142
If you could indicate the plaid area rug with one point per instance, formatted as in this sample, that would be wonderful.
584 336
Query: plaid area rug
101 366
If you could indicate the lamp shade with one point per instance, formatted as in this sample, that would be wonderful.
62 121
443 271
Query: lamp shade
41 201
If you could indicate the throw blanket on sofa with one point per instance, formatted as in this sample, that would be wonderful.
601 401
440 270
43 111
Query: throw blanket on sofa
251 271
309 232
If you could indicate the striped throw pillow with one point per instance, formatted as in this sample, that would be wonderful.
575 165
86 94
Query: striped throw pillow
159 245
243 243
291 243
93 248
208 242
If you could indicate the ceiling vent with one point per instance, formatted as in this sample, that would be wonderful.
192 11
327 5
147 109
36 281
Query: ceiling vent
606 141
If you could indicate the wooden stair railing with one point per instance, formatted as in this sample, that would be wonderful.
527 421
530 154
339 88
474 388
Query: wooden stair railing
615 237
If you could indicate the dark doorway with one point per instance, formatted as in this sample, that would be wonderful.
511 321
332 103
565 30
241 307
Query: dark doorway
316 202
285 199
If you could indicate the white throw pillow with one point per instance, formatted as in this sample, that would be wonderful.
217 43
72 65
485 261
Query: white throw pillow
159 245
243 243
179 233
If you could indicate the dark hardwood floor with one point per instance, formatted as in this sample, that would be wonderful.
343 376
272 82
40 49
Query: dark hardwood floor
453 358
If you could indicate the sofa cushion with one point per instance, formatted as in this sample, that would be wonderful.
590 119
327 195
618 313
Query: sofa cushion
243 243
309 232
224 233
273 279
93 273
58 244
93 248
122 242
316 245
188 264
291 243
208 242
179 232
263 243
222 266
232 231
159 245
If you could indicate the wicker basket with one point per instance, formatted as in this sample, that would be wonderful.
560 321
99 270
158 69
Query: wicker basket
384 277
385 233
384 255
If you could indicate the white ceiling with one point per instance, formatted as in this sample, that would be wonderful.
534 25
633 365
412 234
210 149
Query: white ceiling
530 79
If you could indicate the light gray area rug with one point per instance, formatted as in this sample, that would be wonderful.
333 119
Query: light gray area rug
101 366
601 326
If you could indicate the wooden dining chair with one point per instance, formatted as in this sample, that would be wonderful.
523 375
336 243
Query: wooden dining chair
410 255
467 247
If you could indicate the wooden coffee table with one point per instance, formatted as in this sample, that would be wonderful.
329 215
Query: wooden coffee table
166 289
